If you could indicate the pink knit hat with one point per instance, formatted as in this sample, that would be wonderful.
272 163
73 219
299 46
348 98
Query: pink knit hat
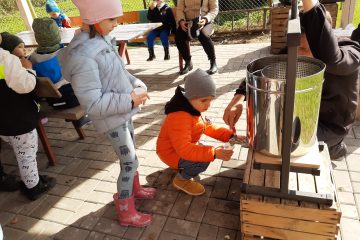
94 11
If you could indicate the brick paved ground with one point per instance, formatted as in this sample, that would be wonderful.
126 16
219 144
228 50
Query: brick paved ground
80 206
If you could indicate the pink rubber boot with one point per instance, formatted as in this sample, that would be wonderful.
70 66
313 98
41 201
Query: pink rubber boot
127 214
141 192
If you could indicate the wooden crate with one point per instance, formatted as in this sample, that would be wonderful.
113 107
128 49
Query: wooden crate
276 218
279 21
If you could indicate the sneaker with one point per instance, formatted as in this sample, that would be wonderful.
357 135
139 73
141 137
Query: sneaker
189 186
8 183
45 184
338 151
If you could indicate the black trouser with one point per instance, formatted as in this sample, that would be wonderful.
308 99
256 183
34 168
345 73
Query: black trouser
182 37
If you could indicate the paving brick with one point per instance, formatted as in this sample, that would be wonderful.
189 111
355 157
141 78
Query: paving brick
197 209
110 227
226 234
224 206
133 233
87 215
181 206
71 233
5 217
181 227
346 198
153 231
23 223
100 197
343 182
12 233
82 189
350 229
353 162
158 207
349 211
221 187
173 236
221 219
96 236
207 232
355 176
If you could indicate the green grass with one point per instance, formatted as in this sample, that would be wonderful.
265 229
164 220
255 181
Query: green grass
13 23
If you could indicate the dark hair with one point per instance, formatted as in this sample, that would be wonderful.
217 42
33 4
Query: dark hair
93 31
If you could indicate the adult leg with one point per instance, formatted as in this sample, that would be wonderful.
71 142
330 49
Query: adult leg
25 147
122 142
209 48
181 39
150 39
184 180
164 37
337 148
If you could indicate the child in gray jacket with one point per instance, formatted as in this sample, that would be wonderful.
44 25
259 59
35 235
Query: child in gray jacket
110 95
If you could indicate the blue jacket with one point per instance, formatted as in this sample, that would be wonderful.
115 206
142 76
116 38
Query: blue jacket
99 79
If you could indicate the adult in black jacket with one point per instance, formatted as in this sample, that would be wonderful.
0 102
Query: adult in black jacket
160 12
340 89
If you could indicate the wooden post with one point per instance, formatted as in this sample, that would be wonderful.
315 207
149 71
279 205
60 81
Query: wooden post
348 9
25 13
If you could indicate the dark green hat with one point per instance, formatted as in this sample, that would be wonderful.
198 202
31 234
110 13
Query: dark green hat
10 41
47 35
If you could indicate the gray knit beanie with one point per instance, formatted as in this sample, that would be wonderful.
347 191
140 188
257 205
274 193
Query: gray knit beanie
199 84
10 41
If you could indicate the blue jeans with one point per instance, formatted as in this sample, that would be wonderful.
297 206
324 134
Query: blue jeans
123 142
164 37
189 169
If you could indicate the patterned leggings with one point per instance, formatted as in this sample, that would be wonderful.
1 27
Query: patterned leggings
123 142
25 147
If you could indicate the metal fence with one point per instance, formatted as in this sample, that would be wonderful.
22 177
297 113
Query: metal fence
234 15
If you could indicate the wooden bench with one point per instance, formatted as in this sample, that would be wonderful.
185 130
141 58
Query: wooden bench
45 88
133 17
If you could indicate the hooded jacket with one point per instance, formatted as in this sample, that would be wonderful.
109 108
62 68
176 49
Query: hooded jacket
342 58
181 131
164 15
20 112
99 79
190 9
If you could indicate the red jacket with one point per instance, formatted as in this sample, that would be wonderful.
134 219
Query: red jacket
181 131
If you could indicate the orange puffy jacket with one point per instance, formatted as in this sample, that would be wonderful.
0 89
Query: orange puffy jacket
179 136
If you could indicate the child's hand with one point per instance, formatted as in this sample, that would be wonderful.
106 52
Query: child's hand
139 98
26 63
223 154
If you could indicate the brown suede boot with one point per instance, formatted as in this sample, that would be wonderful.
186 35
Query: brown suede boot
189 186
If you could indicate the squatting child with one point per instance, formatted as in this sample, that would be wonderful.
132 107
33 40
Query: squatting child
178 142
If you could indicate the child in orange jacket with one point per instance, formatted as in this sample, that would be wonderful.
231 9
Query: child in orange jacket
178 142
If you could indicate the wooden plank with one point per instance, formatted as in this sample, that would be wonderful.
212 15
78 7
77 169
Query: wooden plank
281 233
290 224
45 88
278 34
74 113
281 210
278 39
257 178
304 161
272 179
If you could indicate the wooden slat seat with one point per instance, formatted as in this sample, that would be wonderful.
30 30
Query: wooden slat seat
45 88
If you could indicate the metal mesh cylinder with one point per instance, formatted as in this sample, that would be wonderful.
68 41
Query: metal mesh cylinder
265 103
